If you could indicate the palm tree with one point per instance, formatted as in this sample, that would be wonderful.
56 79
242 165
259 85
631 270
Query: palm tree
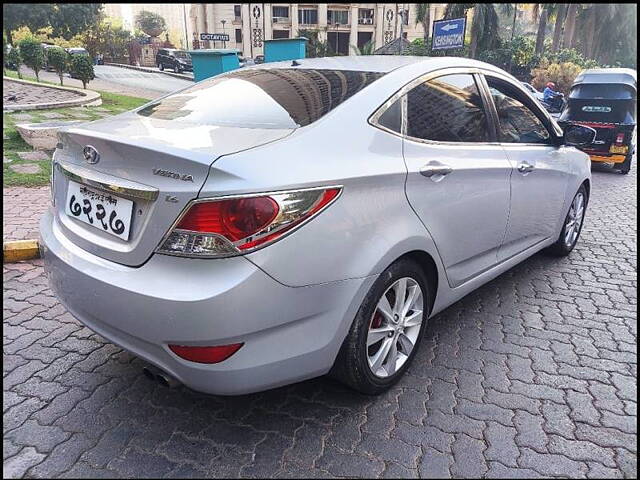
561 14
484 28
570 27
615 31
510 9
544 11
456 10
423 16
366 49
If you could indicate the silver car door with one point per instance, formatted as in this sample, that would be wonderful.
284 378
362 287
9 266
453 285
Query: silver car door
541 167
458 179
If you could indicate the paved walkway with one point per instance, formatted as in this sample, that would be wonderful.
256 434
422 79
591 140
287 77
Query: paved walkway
532 375
22 208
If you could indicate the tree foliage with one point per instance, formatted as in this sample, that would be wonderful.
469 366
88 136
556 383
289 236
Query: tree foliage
65 19
32 54
57 58
82 68
108 38
562 74
366 49
14 60
315 46
150 23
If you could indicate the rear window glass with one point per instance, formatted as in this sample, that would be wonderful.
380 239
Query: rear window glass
604 91
262 98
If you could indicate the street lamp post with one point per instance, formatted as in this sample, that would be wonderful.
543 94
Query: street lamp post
337 38
223 33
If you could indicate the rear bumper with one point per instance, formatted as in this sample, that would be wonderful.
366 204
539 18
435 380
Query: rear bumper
607 158
289 334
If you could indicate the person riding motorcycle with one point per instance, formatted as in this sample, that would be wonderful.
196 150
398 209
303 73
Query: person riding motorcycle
551 97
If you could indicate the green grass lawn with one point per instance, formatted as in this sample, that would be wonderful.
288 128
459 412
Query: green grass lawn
13 143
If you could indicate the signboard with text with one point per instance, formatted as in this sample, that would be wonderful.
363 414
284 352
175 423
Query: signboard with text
448 34
216 37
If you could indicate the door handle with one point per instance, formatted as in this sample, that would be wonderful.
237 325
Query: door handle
432 169
525 167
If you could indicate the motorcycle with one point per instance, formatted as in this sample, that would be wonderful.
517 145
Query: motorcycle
556 105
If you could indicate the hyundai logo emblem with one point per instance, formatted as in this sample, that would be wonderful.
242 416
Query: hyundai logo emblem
91 155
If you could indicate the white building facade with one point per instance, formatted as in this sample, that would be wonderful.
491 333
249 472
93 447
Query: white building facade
343 25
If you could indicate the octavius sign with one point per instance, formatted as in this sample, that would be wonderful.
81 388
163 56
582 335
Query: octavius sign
216 37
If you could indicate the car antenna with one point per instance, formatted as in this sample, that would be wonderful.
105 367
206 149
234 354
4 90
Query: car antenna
295 63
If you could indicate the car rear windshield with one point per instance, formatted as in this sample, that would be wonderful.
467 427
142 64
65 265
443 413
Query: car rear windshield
606 91
262 98
182 54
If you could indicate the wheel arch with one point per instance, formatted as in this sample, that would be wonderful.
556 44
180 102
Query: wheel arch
428 265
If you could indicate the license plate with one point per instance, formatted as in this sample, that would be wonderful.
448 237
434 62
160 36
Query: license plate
618 149
101 210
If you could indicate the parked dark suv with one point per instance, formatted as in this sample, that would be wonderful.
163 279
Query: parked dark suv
178 60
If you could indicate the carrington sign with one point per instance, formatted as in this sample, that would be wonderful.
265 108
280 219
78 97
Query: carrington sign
448 34
216 37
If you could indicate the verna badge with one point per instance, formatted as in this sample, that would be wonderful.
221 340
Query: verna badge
91 155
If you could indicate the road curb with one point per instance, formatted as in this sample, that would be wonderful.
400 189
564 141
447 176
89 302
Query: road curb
149 70
18 250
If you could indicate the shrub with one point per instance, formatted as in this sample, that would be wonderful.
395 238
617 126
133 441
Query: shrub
14 60
82 68
57 58
562 74
32 54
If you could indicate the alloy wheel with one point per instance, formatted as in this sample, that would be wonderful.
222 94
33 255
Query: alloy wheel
574 220
394 327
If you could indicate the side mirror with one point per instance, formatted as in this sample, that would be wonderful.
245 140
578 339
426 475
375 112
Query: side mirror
578 135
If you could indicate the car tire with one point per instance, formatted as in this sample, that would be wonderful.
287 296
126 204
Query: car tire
567 239
161 67
356 361
625 167
177 69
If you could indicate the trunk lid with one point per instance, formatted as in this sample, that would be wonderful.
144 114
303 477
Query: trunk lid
159 165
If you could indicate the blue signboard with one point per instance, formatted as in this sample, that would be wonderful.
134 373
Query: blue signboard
448 34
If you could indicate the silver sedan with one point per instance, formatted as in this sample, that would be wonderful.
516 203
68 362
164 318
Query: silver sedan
289 220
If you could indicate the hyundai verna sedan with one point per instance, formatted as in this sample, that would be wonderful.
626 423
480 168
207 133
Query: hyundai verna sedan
285 221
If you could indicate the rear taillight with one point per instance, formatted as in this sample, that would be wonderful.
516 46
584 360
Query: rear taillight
235 225
205 354
620 138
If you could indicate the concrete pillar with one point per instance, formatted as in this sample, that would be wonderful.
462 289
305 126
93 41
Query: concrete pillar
353 33
211 22
202 23
268 21
294 20
379 34
246 31
322 22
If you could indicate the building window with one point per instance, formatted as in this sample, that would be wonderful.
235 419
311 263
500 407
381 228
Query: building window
365 16
308 16
237 11
238 35
340 17
281 34
281 12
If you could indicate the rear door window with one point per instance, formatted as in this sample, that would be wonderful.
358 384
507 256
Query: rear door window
262 98
447 109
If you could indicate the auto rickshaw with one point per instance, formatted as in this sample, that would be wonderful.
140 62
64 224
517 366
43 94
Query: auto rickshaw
605 100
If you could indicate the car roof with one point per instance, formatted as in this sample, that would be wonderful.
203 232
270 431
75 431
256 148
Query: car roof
626 76
379 63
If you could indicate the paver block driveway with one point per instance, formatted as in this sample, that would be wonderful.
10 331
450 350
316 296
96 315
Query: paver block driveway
532 375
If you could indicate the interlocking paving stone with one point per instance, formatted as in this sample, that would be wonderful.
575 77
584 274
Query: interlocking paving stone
533 375
25 168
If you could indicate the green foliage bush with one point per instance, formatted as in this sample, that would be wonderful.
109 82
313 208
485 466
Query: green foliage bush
57 58
82 68
14 60
32 54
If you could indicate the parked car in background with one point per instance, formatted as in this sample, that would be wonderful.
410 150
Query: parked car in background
388 187
259 59
178 60
45 47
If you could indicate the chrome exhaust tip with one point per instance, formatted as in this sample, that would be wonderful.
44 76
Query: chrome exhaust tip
154 373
